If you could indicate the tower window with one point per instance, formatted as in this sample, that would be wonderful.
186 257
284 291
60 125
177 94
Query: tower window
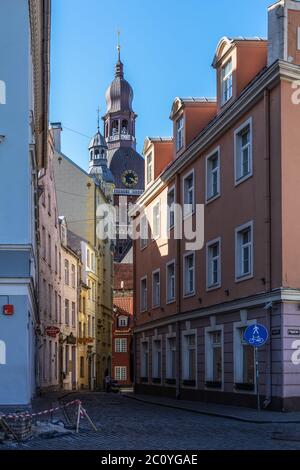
96 153
115 127
124 127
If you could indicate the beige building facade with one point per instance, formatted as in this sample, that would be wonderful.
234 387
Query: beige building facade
79 195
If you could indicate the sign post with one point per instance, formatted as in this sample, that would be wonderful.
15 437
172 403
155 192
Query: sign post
256 335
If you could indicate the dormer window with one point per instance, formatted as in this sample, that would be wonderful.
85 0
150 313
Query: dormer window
179 133
227 82
122 321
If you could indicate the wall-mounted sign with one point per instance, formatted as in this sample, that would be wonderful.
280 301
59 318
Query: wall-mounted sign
276 331
293 332
8 310
52 331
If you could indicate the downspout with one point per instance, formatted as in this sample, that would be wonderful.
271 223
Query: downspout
269 282
134 243
178 292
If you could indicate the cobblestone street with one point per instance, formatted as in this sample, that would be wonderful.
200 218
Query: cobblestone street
125 424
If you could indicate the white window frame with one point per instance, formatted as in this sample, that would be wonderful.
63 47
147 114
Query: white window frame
239 277
144 278
224 79
121 345
142 375
156 235
179 132
209 197
188 212
170 300
148 182
168 365
186 255
170 190
238 177
156 304
143 230
237 358
210 286
118 373
157 338
120 319
184 377
209 356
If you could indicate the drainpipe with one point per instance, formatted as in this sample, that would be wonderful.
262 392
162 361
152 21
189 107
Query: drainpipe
134 362
178 294
268 206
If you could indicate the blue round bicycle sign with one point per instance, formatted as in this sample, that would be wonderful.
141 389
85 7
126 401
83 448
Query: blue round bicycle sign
256 335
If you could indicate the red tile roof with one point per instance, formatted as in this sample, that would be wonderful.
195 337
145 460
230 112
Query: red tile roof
124 305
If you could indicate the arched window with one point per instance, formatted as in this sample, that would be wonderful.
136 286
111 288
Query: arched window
115 127
96 153
91 155
124 129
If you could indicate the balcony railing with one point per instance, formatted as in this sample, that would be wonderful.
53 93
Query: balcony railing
114 138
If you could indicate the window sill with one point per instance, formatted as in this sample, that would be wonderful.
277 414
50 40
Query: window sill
142 248
244 278
214 287
156 380
242 179
155 307
212 198
244 386
171 301
187 296
189 383
189 214
170 381
216 385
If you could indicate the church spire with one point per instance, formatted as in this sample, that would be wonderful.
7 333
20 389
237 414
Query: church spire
119 66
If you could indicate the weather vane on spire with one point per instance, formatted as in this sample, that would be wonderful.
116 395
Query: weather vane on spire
119 46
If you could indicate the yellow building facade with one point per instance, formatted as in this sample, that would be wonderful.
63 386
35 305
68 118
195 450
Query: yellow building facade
78 195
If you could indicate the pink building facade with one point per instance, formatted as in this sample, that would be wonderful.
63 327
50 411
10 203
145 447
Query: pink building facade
58 292
234 171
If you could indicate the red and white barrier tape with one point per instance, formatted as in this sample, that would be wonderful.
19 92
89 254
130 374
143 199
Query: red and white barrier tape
40 413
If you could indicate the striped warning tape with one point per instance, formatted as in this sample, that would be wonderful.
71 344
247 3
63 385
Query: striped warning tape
40 413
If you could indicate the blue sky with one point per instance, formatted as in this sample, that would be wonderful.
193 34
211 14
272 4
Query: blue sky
167 51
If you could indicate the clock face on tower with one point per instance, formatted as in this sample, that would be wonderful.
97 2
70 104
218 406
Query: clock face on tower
130 178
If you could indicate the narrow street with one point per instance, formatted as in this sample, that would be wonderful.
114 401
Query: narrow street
125 424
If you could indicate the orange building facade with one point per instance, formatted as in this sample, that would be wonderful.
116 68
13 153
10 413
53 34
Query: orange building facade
232 166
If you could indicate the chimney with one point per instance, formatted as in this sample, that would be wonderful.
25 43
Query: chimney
56 129
284 31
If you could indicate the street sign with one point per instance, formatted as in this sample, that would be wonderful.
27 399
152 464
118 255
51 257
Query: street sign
256 335
52 331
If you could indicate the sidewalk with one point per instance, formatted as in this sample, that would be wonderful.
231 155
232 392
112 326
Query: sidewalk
247 415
